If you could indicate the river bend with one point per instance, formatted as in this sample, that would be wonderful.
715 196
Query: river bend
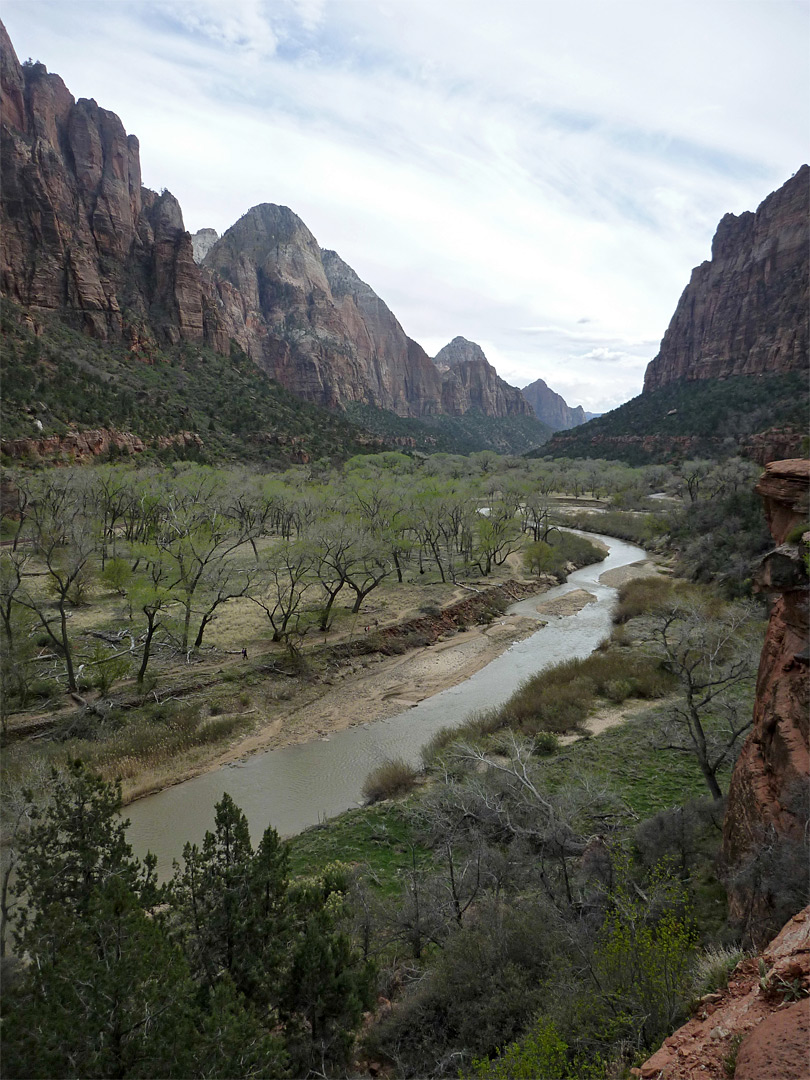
298 786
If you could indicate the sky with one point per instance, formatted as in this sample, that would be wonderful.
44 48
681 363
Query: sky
539 177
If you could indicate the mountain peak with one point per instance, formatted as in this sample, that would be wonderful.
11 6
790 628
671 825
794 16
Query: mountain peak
551 408
460 351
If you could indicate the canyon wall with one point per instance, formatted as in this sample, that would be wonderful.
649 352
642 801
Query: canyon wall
80 235
83 239
767 807
469 381
745 311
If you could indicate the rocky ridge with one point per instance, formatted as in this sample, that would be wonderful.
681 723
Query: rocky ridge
745 311
754 1029
201 243
82 238
552 408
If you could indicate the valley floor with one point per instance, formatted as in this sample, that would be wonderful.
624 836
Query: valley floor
362 691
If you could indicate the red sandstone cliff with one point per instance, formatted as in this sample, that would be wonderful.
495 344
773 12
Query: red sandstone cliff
745 312
767 802
80 236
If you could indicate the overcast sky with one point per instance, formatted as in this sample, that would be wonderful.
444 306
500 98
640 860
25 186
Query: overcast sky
539 177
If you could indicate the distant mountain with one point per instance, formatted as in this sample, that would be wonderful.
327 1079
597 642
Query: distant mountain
731 375
470 382
201 243
551 408
84 241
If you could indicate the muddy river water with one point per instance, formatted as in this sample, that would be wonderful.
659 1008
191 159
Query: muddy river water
299 786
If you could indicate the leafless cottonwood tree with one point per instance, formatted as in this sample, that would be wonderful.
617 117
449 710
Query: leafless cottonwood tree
712 650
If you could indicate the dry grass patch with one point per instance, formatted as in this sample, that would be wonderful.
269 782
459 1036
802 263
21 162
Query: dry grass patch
387 781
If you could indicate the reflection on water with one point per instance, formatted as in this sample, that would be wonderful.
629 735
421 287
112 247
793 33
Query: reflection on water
301 785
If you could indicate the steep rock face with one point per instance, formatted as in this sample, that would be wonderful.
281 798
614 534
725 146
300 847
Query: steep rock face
273 286
768 792
745 311
398 370
551 408
83 239
80 234
305 316
469 381
201 243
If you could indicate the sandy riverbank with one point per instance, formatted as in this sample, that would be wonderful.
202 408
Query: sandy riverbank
362 691
375 689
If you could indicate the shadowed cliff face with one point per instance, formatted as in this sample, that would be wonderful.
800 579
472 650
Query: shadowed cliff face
469 381
745 312
551 408
80 234
767 802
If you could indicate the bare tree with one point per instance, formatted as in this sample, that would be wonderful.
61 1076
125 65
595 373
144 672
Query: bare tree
712 650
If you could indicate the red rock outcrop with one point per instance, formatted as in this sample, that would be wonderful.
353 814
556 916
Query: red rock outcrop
756 1016
80 446
469 381
551 407
767 799
745 312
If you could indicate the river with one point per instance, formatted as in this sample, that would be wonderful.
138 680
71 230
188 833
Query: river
301 785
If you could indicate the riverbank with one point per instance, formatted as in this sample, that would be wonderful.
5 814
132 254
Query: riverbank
362 691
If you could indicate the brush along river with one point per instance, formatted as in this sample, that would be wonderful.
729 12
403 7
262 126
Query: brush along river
301 785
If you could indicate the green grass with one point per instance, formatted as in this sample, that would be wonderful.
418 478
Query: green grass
378 837
648 780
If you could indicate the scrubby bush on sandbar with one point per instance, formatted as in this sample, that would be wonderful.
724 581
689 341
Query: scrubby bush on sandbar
635 528
392 778
560 698
642 596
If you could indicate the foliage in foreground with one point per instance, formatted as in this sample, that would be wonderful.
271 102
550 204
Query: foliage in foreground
232 971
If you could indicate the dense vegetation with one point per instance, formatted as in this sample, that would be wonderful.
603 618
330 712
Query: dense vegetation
68 381
454 434
231 970
717 415
542 902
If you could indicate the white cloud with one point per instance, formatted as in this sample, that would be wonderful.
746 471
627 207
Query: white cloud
485 169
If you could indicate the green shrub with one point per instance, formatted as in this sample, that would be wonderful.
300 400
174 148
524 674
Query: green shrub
545 743
539 1055
392 778
436 744
561 548
713 968
797 532
560 698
